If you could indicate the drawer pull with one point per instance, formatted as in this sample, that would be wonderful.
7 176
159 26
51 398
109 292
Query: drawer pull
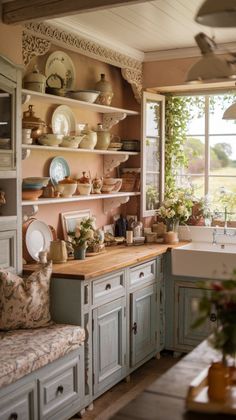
108 286
213 317
13 416
141 274
60 389
134 328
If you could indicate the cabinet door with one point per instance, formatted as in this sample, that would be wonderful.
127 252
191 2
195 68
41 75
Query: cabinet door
109 345
153 134
188 297
8 250
7 123
143 307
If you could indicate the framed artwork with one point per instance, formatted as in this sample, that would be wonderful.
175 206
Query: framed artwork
109 229
70 219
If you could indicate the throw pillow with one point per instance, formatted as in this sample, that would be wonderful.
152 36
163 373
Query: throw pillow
25 303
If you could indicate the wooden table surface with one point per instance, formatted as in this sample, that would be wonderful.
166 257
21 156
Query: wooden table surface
165 398
114 258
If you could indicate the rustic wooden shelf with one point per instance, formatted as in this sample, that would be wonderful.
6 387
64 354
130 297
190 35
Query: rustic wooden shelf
68 149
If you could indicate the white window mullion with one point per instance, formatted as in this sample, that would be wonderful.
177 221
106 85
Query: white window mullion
207 145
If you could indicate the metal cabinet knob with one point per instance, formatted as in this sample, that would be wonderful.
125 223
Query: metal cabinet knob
213 317
60 389
135 328
13 416
108 286
141 274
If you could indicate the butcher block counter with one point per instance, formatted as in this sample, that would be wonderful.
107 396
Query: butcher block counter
113 258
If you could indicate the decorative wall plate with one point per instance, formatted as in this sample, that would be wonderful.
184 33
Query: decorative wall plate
38 237
63 121
60 63
58 170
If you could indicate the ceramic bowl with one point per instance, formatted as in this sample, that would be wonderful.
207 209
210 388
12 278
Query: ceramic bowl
66 190
33 180
50 139
71 141
84 189
85 95
31 194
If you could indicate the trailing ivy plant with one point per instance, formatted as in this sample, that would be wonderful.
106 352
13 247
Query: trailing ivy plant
177 115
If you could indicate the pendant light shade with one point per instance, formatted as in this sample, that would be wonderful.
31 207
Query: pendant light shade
217 13
210 67
230 113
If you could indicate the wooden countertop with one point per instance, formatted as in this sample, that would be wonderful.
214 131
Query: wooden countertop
114 258
165 398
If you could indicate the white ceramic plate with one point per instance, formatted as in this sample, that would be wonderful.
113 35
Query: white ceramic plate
63 121
38 237
60 63
58 170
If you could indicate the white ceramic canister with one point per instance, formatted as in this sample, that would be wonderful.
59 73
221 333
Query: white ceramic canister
35 81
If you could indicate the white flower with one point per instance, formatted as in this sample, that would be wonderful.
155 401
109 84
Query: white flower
89 234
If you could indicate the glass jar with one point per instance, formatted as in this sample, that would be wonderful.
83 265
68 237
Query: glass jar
218 382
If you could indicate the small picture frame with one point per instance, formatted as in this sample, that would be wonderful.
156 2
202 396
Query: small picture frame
109 229
70 219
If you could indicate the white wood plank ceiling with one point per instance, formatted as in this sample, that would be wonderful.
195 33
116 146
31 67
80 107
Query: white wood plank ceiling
146 29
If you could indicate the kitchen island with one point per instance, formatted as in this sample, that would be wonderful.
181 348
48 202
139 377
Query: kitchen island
165 398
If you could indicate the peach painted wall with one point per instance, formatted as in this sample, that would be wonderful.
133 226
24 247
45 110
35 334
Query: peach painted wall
87 74
10 42
166 72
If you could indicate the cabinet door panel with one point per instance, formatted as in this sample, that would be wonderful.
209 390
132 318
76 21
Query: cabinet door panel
188 312
143 323
109 344
8 250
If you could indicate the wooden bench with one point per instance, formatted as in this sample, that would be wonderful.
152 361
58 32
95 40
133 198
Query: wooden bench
42 373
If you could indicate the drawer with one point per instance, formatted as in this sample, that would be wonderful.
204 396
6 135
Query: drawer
143 273
59 388
108 288
19 405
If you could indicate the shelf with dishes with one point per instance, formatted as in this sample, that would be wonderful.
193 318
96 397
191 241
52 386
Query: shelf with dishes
78 150
74 198
28 95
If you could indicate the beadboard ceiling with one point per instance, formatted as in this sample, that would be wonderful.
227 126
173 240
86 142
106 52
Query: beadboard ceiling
148 31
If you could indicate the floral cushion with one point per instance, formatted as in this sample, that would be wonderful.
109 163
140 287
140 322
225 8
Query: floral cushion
24 351
24 303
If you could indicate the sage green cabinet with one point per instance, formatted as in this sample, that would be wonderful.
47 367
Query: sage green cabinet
187 297
143 307
109 345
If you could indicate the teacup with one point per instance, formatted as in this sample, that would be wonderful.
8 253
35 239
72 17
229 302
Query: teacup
111 184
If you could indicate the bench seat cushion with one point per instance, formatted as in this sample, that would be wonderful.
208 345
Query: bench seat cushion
23 351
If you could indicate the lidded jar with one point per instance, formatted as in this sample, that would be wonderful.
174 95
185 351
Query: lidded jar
218 382
90 138
105 89
31 121
35 81
103 138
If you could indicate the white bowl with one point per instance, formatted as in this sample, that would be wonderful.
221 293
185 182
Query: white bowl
50 139
84 189
71 141
85 95
66 190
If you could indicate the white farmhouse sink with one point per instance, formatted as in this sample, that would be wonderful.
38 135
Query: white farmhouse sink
205 260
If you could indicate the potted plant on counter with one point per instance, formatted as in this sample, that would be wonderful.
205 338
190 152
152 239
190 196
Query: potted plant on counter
80 238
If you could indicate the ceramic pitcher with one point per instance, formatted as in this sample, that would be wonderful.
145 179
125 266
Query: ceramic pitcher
58 252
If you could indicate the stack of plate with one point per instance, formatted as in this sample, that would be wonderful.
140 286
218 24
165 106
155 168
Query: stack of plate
131 145
115 146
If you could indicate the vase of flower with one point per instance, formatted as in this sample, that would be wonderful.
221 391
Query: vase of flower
79 252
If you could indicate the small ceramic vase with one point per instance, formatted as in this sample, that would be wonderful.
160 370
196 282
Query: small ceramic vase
103 138
79 252
97 185
105 89
89 140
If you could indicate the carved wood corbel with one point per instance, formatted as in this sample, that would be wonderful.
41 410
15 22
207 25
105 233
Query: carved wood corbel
33 46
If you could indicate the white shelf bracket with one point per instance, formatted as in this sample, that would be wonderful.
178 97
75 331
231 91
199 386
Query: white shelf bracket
25 153
112 161
110 119
112 203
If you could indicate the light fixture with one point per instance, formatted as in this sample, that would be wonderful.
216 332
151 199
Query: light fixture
210 67
230 113
217 13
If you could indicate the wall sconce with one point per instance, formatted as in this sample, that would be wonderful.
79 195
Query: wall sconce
217 13
210 67
230 113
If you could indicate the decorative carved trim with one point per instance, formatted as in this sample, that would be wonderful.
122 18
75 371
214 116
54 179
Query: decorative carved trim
33 46
83 46
135 78
112 203
112 161
108 120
